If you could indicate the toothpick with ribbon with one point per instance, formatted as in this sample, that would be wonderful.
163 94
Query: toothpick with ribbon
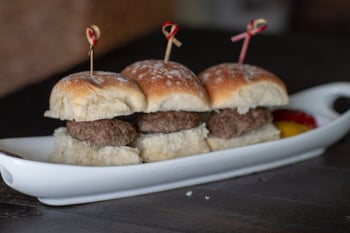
254 27
170 35
92 34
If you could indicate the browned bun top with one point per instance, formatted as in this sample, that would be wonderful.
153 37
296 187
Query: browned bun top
103 95
242 86
168 86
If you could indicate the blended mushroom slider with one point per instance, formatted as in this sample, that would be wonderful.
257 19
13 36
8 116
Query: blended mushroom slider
241 95
171 125
95 108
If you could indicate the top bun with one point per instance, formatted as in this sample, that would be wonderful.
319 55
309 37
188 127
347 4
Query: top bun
232 85
168 86
104 95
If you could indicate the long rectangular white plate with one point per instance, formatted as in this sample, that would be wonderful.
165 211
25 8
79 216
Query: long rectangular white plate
59 184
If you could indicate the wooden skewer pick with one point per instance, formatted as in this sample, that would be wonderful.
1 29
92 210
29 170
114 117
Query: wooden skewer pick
93 33
171 38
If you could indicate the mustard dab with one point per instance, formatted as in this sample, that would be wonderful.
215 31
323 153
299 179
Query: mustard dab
289 129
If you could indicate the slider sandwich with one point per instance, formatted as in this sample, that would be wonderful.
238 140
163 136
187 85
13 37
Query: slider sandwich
96 109
240 97
171 125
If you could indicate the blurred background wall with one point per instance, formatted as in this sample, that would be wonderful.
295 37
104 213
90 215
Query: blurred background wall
234 15
39 38
323 17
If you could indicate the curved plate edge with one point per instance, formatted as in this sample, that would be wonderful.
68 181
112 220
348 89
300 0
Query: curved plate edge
180 184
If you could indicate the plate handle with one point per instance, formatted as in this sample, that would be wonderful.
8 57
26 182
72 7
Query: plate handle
321 99
6 175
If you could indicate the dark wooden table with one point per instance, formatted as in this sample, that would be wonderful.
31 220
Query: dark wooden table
311 196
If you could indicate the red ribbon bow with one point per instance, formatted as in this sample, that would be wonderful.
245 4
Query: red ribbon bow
93 34
254 27
170 37
173 30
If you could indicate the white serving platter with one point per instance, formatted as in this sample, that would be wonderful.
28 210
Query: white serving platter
59 184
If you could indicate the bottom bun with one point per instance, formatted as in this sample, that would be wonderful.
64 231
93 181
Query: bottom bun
68 150
163 146
263 134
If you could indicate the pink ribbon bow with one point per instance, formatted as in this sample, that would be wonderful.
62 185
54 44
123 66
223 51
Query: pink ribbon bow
254 27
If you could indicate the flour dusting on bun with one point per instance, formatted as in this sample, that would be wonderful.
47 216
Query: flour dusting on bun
171 126
240 95
96 109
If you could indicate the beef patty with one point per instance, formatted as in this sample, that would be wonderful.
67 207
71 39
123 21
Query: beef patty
100 133
228 123
166 122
